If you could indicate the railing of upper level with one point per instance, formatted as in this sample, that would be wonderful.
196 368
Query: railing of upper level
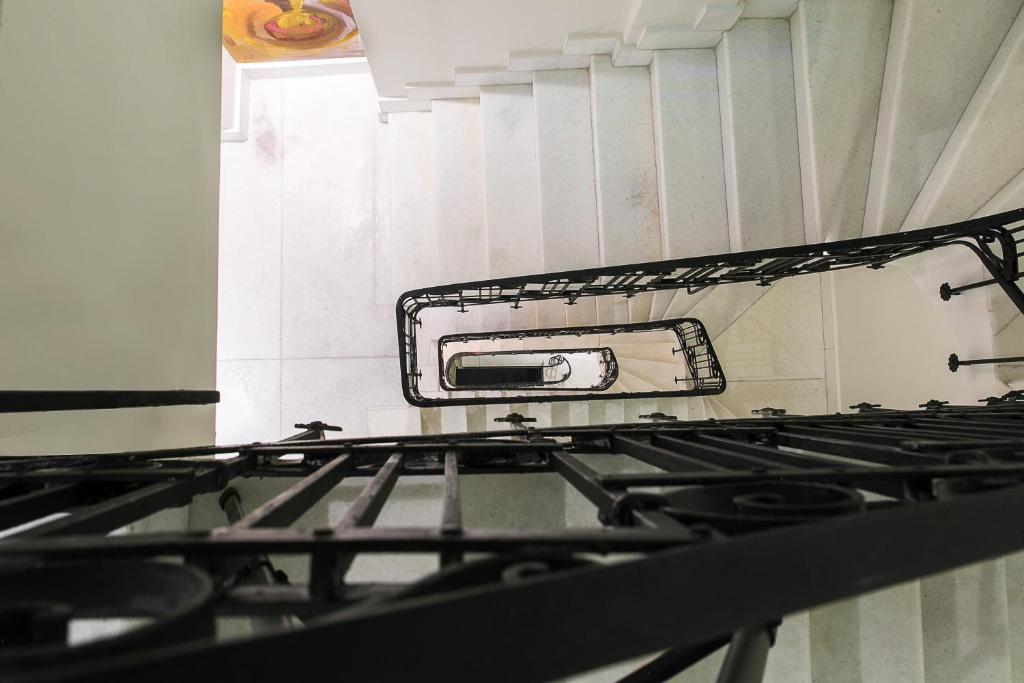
990 238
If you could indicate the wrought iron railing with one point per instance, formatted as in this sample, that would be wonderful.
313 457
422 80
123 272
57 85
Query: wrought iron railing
785 495
702 372
990 238
544 376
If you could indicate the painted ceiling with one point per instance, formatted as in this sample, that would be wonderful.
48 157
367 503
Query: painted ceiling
276 30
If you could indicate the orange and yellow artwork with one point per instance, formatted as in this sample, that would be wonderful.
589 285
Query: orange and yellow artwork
274 30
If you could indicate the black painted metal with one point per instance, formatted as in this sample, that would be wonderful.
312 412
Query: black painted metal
955 362
704 375
733 495
40 401
764 267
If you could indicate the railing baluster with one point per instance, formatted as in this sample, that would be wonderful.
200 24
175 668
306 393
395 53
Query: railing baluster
328 569
451 510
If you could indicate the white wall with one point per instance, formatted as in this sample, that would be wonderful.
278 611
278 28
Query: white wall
301 337
109 149
894 333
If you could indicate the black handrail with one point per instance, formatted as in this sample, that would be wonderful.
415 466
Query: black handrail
763 266
45 401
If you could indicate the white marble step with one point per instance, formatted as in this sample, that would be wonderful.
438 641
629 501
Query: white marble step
986 149
680 407
635 407
657 374
645 379
570 414
759 134
681 302
430 421
713 408
644 350
454 419
513 236
627 192
688 147
565 169
690 165
413 226
476 418
938 52
388 421
612 310
839 59
459 201
630 383
582 313
720 307
965 625
608 411
697 408
639 308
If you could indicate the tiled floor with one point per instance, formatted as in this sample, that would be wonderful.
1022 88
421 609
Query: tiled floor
306 324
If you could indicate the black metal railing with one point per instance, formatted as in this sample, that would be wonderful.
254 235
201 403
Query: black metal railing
519 373
702 372
785 495
991 239
31 401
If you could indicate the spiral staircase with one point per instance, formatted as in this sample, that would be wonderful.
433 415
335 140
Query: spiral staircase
755 126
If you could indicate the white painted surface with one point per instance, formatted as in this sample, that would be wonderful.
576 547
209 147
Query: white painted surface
769 9
446 90
590 43
249 277
411 162
459 189
986 149
392 421
328 221
839 59
404 105
965 625
762 165
542 60
938 52
778 337
510 168
108 208
338 391
718 16
422 41
306 241
688 144
250 407
627 192
491 76
676 36
644 12
565 163
907 366
629 55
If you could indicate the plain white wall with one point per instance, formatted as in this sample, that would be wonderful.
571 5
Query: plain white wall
109 153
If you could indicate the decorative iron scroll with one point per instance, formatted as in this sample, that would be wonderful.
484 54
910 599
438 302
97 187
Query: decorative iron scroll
764 267
742 521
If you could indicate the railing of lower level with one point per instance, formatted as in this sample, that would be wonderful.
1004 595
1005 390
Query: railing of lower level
990 238
722 528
